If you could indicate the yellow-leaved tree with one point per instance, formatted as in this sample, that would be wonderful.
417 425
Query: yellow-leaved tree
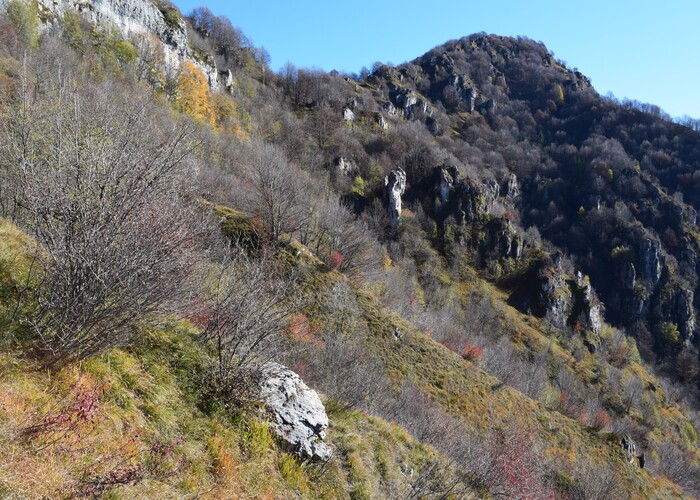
192 96
226 115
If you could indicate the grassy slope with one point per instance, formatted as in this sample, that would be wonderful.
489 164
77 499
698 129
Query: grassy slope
467 391
150 396
148 401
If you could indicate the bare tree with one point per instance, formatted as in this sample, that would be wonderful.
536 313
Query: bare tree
230 45
273 194
594 482
93 173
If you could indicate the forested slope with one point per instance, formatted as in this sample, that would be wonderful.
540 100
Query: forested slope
485 269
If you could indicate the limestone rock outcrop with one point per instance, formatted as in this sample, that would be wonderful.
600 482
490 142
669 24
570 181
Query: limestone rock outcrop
493 191
394 188
628 276
448 180
138 20
298 416
685 314
556 297
408 103
513 189
650 253
593 309
345 166
472 201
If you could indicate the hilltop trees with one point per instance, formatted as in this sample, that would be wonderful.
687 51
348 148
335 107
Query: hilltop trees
230 46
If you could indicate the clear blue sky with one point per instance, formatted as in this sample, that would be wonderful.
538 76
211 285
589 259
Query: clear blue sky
646 49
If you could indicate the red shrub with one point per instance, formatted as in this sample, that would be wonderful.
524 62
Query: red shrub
200 313
158 461
334 261
472 353
513 467
305 371
74 414
299 328
601 419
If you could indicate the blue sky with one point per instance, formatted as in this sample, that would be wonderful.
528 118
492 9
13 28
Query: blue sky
644 50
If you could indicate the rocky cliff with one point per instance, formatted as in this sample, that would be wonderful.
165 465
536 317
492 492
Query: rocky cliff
612 186
145 22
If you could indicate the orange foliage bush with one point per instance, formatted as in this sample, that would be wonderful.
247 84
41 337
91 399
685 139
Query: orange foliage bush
472 353
601 419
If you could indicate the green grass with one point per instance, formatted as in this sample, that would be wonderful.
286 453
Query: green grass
18 275
150 396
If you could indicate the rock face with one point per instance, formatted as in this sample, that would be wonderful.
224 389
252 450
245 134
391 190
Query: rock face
629 448
685 314
628 276
556 297
651 259
592 308
513 189
448 179
493 191
511 243
404 99
472 201
470 97
138 20
394 188
345 166
390 108
226 78
407 103
299 417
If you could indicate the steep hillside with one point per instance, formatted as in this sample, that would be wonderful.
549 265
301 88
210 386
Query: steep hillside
485 270
602 181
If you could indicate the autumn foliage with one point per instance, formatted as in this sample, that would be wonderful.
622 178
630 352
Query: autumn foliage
192 95
472 353
334 260
512 468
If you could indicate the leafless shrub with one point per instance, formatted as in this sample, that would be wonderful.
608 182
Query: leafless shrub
336 231
436 480
349 375
594 483
510 465
244 310
273 193
401 291
574 398
503 361
678 466
340 306
632 392
93 173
